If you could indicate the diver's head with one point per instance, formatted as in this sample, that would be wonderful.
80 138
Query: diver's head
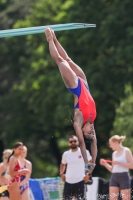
88 131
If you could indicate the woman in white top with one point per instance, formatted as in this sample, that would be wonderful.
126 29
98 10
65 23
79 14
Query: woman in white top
122 161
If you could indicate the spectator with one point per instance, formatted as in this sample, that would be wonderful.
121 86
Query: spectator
15 171
4 178
24 184
122 161
73 163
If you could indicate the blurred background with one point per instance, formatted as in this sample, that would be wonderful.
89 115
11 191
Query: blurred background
35 106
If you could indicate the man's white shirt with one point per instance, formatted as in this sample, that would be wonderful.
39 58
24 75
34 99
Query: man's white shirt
75 171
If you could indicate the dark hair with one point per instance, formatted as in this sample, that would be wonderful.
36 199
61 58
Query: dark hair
87 140
17 144
72 136
71 119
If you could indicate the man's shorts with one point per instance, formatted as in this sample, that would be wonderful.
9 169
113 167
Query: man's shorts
77 190
120 180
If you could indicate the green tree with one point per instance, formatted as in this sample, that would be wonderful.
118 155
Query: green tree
123 123
34 102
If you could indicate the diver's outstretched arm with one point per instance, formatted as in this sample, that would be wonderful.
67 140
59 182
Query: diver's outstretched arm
80 137
94 148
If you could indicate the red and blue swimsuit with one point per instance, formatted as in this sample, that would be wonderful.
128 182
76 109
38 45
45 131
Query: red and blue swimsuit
22 177
16 178
85 103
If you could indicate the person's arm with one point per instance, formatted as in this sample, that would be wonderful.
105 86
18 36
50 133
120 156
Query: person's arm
86 177
29 166
94 148
11 166
7 176
79 134
1 169
63 163
62 168
106 165
129 163
89 156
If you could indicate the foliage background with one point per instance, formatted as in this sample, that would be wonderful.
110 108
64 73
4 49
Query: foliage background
35 106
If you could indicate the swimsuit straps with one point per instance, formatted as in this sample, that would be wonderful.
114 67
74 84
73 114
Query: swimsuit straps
17 166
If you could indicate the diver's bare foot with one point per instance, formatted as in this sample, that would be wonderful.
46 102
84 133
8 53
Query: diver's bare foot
48 33
53 33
